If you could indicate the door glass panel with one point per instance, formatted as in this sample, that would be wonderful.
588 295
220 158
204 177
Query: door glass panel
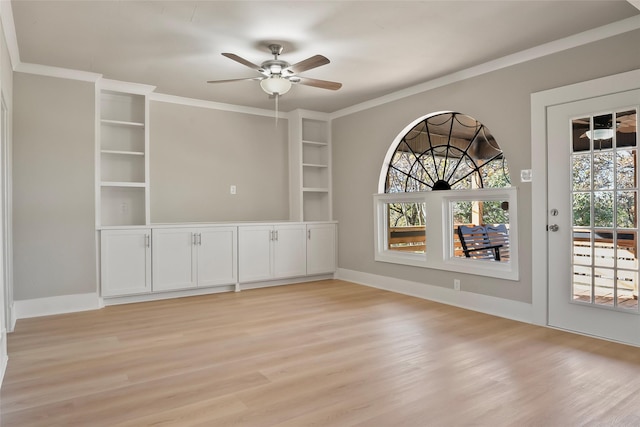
626 127
604 210
601 132
626 205
627 296
582 247
580 127
603 249
604 286
627 249
582 209
581 171
626 169
603 170
582 286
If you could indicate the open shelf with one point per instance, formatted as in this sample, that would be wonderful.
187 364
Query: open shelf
122 159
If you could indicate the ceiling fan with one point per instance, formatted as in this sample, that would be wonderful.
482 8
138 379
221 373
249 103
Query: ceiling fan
278 75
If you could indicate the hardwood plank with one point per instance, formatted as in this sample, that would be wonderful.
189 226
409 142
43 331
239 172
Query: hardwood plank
327 353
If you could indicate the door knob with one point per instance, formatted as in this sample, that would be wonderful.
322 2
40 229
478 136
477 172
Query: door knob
553 227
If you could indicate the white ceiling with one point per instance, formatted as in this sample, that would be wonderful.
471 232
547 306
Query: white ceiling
375 47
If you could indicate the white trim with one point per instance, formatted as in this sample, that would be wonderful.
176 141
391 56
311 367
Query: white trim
57 305
9 29
540 101
62 73
589 36
192 102
120 86
635 3
280 282
509 309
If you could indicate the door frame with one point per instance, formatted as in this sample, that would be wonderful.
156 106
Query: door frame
540 102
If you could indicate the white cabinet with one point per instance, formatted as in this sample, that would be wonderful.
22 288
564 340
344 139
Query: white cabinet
321 248
185 258
310 166
267 252
125 262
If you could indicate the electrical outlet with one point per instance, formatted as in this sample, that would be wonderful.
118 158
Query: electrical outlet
124 208
232 189
456 284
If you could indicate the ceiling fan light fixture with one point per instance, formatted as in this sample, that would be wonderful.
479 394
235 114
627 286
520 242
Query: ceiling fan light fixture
275 85
599 134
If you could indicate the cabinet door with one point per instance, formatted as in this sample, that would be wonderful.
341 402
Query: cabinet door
217 262
254 253
174 262
321 248
125 257
289 256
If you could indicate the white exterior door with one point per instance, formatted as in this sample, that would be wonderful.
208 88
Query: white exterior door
217 262
125 262
174 261
592 148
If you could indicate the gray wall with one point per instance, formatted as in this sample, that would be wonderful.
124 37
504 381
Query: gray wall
197 153
53 187
501 101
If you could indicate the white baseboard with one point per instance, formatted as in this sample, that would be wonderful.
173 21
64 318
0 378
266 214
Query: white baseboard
4 358
293 281
37 307
515 310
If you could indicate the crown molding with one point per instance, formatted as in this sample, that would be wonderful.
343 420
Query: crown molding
120 86
62 73
635 3
589 36
192 102
9 30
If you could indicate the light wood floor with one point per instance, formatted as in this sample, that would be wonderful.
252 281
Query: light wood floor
327 353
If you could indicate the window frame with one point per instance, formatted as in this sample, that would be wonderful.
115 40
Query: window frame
439 231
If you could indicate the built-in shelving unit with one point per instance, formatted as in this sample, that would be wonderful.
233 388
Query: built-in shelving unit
122 161
310 166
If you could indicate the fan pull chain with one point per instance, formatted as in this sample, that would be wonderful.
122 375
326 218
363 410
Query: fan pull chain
277 96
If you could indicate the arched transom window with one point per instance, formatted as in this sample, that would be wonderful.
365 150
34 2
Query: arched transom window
445 151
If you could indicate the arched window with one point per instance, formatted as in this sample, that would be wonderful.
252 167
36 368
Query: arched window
458 230
445 151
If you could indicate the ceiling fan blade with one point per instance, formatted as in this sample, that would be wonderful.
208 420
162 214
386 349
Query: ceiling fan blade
323 84
309 63
234 80
243 61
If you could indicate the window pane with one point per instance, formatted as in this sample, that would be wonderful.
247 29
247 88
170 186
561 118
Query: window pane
406 227
485 229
